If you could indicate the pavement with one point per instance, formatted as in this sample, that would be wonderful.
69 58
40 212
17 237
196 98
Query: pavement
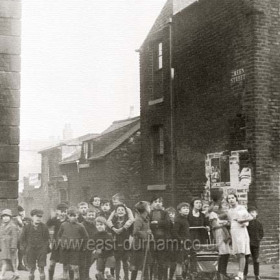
267 271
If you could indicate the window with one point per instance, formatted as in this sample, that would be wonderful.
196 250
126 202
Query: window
157 81
159 55
91 148
158 153
85 150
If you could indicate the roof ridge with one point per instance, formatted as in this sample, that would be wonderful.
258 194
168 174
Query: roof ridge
128 119
102 134
117 142
63 142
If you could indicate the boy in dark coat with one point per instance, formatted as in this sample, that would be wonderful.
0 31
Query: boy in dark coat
73 238
172 252
255 230
35 242
55 223
141 235
160 226
88 259
181 233
104 245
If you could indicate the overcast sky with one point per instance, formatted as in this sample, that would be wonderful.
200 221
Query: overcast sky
79 63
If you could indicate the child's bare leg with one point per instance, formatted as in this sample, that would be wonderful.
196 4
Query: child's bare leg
242 261
42 273
65 271
14 264
179 271
75 269
3 269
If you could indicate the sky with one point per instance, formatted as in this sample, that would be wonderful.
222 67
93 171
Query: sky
79 64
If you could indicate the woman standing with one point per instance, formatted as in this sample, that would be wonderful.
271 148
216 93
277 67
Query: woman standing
239 218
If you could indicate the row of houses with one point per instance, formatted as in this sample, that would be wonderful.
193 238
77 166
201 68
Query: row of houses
209 92
93 164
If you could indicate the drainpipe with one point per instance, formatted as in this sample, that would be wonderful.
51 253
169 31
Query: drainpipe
172 150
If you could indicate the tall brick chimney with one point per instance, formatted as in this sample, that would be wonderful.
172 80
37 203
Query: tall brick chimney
10 48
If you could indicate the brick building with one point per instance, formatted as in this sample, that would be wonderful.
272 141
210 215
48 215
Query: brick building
209 82
10 67
53 182
107 164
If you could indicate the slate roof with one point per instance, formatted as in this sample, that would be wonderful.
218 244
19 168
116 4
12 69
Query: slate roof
74 141
109 139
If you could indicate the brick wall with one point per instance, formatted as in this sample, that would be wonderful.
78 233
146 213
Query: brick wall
117 172
213 42
155 114
264 142
214 114
10 14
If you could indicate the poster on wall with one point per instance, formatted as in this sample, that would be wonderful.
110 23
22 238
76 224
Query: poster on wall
228 171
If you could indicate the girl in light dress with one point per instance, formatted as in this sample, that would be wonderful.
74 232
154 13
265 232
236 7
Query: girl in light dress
239 219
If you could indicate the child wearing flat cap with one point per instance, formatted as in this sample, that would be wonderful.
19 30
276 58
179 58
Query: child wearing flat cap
8 243
35 243
55 223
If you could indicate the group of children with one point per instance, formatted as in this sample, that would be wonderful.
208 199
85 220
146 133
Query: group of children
152 239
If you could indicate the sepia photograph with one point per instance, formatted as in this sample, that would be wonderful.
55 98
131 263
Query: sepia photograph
139 139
